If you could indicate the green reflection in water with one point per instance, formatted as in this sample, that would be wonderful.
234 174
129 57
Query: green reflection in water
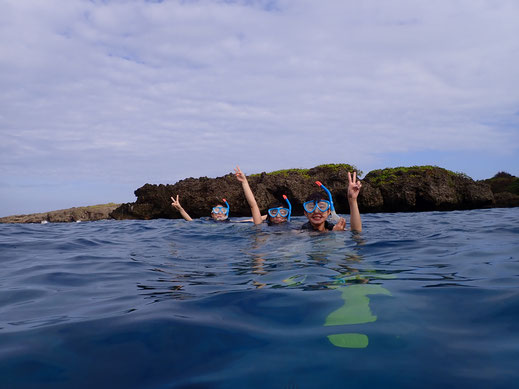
355 310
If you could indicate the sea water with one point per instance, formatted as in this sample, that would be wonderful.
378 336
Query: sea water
415 300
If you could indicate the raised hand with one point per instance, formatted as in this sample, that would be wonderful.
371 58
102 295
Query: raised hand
176 203
354 186
240 176
341 225
178 207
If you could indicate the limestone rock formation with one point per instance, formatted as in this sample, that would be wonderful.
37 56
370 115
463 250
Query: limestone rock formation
505 188
402 189
421 188
90 213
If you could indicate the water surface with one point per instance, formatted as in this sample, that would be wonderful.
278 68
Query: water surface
416 300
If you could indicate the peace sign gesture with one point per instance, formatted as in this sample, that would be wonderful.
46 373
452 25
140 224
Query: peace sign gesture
178 207
176 203
240 176
354 186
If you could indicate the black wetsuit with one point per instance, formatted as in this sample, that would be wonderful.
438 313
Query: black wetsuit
308 226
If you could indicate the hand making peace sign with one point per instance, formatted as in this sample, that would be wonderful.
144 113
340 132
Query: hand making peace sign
354 186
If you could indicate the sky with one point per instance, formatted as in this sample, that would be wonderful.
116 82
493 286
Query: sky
98 98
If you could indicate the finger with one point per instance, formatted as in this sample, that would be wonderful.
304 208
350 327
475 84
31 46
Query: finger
349 178
354 176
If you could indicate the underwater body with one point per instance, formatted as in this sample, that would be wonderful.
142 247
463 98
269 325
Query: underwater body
415 300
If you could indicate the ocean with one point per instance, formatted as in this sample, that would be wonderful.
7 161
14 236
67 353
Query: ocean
416 300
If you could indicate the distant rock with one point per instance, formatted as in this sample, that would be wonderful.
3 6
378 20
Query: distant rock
408 189
90 213
505 188
424 188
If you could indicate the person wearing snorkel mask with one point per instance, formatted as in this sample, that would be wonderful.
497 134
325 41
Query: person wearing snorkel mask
317 209
277 214
219 212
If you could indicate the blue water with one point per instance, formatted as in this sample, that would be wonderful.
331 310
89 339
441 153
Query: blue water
416 300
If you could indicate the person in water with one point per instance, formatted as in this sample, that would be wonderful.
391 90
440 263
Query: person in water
317 209
276 214
219 212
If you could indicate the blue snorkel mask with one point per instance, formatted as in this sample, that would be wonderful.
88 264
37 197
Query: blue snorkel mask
283 212
335 217
225 211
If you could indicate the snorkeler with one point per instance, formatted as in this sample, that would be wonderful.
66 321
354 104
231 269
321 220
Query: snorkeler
317 209
218 213
276 214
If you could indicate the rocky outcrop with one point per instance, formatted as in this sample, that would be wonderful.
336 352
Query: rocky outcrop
425 188
403 189
419 188
505 188
90 213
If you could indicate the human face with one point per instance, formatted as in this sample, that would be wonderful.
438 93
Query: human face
318 217
278 215
219 212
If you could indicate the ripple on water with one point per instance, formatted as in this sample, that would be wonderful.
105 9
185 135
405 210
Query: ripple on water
172 303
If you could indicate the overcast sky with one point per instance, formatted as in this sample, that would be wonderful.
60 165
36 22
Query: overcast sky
98 98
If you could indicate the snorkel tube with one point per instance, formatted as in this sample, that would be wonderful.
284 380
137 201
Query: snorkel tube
335 217
227 205
289 207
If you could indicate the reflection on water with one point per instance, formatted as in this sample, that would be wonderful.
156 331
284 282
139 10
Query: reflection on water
355 310
278 259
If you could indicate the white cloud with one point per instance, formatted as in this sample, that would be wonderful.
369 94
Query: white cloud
164 90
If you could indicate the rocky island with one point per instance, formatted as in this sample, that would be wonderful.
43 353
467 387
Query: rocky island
401 189
76 214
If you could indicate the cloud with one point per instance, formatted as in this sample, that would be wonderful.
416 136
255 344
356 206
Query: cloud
163 90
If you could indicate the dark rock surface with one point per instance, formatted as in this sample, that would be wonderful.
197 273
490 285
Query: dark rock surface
90 213
414 189
505 188
425 188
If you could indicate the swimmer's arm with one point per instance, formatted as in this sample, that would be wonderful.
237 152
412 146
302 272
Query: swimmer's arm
263 217
256 215
354 186
355 220
178 207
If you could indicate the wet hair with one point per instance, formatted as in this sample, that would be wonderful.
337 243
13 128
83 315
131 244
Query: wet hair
316 196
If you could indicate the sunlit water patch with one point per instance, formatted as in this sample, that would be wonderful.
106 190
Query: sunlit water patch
415 300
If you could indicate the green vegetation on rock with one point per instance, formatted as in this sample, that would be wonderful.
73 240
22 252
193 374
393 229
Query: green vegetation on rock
305 172
390 175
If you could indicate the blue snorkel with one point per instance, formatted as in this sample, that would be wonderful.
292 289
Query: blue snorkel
289 207
335 217
227 205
